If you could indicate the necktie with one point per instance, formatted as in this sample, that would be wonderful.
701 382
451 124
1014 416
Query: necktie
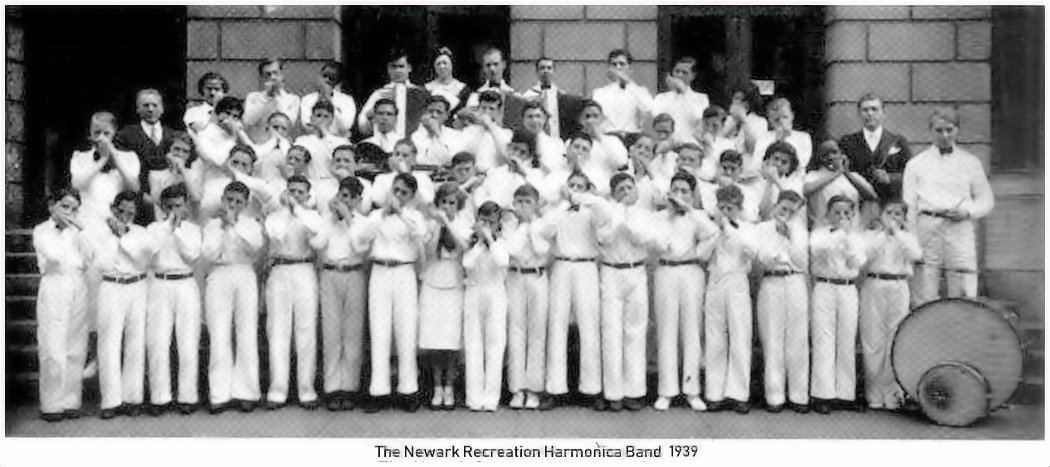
401 101
545 86
493 85
153 134
945 151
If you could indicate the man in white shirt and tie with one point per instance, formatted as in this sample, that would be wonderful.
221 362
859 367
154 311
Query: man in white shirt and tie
330 88
627 105
493 66
681 102
259 105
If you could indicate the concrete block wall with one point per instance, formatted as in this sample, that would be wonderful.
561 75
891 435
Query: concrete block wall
14 108
232 39
579 39
916 58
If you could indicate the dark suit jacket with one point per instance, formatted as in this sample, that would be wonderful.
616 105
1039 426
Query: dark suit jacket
891 154
151 157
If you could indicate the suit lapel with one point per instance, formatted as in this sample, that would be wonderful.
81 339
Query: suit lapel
882 150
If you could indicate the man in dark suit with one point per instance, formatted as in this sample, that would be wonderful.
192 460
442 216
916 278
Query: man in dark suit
149 139
875 153
563 108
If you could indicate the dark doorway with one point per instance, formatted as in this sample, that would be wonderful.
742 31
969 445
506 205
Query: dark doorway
733 44
84 59
370 32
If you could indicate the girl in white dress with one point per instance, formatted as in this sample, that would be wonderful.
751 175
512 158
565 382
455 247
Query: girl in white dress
441 294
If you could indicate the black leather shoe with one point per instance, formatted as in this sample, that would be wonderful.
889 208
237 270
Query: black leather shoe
616 406
774 408
718 406
409 402
246 406
271 405
634 404
377 404
822 406
218 408
599 403
799 408
71 414
309 405
132 410
156 410
347 403
548 402
187 409
51 417
333 405
741 407
107 414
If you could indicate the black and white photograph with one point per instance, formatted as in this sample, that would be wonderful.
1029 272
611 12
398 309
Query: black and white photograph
557 223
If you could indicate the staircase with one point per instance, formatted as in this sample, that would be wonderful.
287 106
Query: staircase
23 278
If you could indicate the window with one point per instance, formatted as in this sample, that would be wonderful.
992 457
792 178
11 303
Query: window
1017 87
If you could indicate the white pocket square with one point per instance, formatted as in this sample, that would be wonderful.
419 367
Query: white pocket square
894 150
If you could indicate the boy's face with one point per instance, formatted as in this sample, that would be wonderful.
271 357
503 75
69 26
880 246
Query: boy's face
491 109
642 149
494 65
834 160
729 209
213 91
438 112
344 160
534 119
578 149
348 198
449 205
688 158
680 190
296 161
398 70
234 201
179 150
402 192
272 73
230 114
101 129
330 75
67 206
784 210
402 159
526 205
300 192
781 161
591 116
626 192
175 205
149 107
385 117
241 162
280 126
620 63
124 211
519 151
321 118
730 169
713 125
462 171
489 220
663 130
577 184
840 212
944 132
893 213
684 72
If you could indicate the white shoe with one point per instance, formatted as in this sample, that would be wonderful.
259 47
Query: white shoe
439 396
696 403
518 401
662 403
450 397
532 401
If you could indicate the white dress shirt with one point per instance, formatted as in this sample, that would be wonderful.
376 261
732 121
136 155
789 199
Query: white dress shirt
127 255
551 152
199 116
836 254
153 131
485 146
236 244
290 234
734 251
258 108
384 183
486 264
891 254
343 117
396 237
385 141
625 108
342 242
449 91
327 188
59 251
270 156
627 233
818 200
500 183
321 150
872 138
213 145
527 246
574 233
549 98
687 236
687 110
779 253
98 189
436 149
935 181
175 250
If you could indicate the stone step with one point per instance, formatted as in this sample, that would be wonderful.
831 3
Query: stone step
19 240
20 331
22 284
20 307
21 263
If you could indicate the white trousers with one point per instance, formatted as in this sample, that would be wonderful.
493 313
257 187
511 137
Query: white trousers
727 338
231 300
833 329
883 305
574 288
174 306
343 308
625 316
122 326
948 246
291 298
484 340
393 313
679 296
61 320
527 297
783 328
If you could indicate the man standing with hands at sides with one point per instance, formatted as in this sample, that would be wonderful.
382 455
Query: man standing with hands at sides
120 251
259 105
626 104
876 154
493 66
174 302
291 294
408 98
212 87
485 137
681 102
149 139
946 190
231 302
395 235
330 88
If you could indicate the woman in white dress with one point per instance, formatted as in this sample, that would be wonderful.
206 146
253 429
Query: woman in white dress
445 85
441 293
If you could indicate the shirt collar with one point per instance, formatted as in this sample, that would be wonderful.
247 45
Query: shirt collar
877 134
538 87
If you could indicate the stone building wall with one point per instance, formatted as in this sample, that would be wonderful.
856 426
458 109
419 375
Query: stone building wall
15 124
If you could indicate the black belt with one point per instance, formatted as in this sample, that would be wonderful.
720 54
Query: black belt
887 277
836 281
540 270
574 260
124 280
284 261
780 273
684 262
391 264
173 276
343 267
624 265
941 214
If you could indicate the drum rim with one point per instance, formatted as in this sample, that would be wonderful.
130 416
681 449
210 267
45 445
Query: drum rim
970 369
973 300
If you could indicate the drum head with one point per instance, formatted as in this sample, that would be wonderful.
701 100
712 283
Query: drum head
978 334
954 394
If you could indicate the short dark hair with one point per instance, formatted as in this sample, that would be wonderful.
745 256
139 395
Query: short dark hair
489 208
439 100
588 103
396 54
752 97
353 184
334 65
269 61
184 138
730 194
531 105
386 101
299 179
408 179
462 157
237 187
125 196
324 104
527 191
715 111
301 148
840 199
209 76
868 97
345 147
617 179
491 97
229 103
544 59
663 117
579 174
683 176
177 190
731 155
450 189
688 61
785 148
581 135
521 135
240 147
57 195
278 115
618 52
790 195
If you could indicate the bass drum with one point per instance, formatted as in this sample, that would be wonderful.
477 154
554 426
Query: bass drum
980 333
954 394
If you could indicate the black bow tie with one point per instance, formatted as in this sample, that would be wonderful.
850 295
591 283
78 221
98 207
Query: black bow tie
575 207
545 86
944 151
494 84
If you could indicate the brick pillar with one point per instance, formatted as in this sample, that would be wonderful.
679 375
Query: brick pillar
579 39
916 58
232 39
15 109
